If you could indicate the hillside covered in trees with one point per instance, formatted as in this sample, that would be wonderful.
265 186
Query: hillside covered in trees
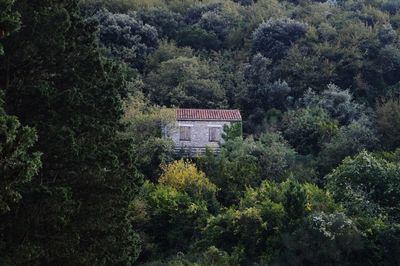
87 179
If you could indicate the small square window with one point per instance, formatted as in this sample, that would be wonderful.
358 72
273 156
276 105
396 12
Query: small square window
184 133
214 134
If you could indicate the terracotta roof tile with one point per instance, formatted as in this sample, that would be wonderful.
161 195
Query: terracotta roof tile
208 114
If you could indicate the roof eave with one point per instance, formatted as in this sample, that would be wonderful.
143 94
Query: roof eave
219 120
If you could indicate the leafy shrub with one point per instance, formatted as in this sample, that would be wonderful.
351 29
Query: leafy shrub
349 141
126 38
198 38
367 185
168 219
308 129
184 176
186 82
166 22
274 38
338 240
388 122
339 103
242 164
259 227
194 14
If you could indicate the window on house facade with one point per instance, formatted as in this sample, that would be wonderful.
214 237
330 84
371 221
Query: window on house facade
184 133
213 134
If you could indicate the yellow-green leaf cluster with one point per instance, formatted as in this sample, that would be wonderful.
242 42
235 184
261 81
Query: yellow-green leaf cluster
184 175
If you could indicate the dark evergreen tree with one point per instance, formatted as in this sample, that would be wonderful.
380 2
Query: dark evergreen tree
261 93
9 20
274 38
75 211
17 164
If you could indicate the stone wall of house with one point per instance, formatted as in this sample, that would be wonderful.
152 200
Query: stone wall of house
199 133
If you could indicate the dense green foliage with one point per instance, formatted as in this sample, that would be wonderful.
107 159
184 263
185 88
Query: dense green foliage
9 20
18 164
75 209
87 85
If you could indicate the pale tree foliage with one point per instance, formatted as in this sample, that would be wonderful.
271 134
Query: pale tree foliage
339 103
126 38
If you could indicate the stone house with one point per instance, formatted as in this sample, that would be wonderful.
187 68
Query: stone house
195 130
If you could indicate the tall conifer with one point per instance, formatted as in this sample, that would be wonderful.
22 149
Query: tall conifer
75 211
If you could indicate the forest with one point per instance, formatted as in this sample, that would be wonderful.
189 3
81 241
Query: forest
86 177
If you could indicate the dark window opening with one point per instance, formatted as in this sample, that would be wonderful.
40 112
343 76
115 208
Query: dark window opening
214 135
184 133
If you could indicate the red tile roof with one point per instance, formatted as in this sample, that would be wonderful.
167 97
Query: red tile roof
208 114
